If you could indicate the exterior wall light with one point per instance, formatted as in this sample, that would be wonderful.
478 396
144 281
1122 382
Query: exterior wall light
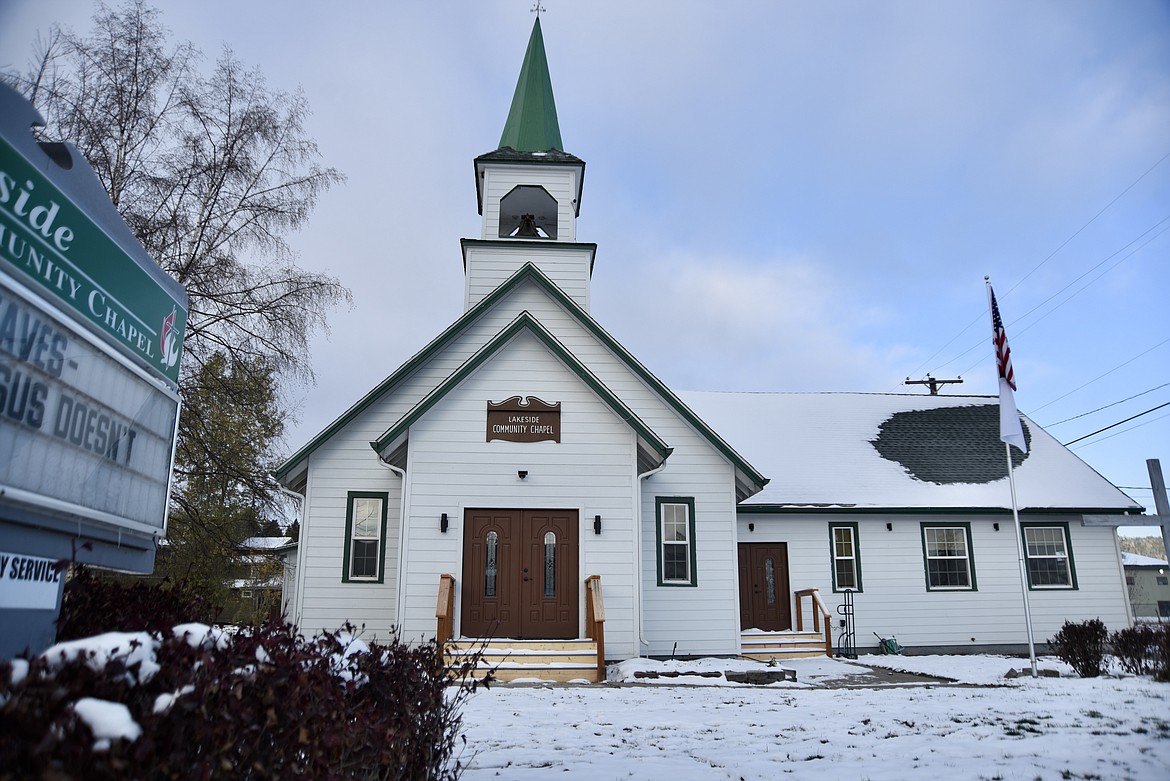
597 524
889 527
443 523
522 473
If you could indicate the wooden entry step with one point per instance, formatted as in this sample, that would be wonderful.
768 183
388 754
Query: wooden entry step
766 646
545 660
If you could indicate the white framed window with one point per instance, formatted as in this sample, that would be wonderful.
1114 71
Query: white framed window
950 564
676 541
1049 556
846 556
365 532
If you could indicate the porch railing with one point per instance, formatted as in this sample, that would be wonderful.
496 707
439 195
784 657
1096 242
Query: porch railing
445 613
595 620
819 612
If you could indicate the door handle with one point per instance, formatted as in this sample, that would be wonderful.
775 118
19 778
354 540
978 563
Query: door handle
525 569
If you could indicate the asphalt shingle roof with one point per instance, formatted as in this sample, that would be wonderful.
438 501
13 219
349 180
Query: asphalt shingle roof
948 444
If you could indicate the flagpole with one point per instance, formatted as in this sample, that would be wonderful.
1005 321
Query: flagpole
1003 363
1023 565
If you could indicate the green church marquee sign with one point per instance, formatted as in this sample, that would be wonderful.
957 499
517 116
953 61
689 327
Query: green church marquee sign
53 246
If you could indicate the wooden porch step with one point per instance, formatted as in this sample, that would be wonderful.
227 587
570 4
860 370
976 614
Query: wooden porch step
546 660
768 646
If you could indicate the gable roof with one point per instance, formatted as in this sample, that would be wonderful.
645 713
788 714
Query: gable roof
748 479
532 120
872 452
526 323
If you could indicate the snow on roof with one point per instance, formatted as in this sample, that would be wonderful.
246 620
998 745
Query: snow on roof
875 450
265 543
1137 560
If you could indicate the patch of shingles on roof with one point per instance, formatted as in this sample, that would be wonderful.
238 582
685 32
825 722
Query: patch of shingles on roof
949 444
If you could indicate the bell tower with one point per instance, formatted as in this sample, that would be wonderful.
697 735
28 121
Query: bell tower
529 195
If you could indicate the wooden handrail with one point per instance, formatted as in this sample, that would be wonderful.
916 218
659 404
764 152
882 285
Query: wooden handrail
819 609
595 620
445 612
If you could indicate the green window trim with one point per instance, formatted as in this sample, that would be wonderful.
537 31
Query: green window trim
1071 566
965 527
836 557
347 567
668 505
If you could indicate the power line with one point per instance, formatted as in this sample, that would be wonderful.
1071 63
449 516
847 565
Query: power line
1096 278
1037 267
1123 431
1118 423
1090 222
1106 374
1029 327
1107 406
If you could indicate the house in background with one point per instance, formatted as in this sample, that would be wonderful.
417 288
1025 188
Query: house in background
259 583
1149 587
525 477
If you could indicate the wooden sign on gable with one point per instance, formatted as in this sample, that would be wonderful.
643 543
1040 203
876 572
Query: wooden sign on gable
526 419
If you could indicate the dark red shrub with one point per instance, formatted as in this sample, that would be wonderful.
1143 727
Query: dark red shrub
259 703
1137 648
1082 646
93 604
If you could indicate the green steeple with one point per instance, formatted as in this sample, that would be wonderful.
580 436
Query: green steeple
532 121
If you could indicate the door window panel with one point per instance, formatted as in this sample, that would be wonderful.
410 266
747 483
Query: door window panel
490 547
770 580
550 564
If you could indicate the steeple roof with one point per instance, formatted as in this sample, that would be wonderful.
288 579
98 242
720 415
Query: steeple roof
532 121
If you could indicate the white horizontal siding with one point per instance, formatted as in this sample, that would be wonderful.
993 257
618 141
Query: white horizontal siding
895 601
452 468
559 181
488 267
703 619
324 601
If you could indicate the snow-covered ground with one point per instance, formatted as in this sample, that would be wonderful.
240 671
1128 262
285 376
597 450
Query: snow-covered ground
695 728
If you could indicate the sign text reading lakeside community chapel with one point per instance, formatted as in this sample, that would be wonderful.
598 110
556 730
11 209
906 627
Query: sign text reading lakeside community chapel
524 420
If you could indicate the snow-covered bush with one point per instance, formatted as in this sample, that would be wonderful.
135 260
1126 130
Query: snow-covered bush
257 702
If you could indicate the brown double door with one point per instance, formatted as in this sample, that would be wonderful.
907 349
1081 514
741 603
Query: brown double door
765 601
520 574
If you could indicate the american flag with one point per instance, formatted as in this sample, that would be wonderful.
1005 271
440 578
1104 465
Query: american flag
1003 353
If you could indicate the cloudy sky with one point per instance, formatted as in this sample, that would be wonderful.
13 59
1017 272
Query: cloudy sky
787 196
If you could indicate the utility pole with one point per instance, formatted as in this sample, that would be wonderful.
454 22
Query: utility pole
1158 483
934 384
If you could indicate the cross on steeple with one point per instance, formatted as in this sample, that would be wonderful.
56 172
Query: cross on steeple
537 8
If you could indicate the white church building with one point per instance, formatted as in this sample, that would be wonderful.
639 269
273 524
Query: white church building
523 478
